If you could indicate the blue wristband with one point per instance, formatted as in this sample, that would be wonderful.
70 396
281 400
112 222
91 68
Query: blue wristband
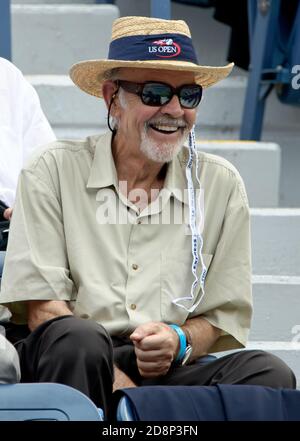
182 341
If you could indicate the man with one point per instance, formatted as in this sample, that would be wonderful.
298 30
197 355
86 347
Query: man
110 282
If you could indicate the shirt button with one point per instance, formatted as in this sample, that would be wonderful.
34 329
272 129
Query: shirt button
133 306
134 266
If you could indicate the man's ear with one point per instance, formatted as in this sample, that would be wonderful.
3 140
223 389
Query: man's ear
108 90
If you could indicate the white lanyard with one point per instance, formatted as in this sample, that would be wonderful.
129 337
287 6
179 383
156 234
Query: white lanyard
197 240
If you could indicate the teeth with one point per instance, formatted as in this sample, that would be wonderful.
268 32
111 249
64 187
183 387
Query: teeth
166 128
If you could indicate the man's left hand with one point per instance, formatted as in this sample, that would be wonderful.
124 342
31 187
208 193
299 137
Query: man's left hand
156 346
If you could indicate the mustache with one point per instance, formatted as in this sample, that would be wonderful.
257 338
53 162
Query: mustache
167 121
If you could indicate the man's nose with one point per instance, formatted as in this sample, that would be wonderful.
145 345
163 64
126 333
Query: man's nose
173 108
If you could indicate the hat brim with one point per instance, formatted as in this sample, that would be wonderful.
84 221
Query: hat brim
89 75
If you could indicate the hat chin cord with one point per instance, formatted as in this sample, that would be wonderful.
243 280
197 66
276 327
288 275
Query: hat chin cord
112 129
195 213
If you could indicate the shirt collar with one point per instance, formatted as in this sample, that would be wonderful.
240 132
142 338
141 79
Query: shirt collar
103 171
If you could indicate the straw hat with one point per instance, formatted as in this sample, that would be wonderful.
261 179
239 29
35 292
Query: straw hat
152 43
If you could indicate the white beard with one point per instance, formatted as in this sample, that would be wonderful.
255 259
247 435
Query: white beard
162 152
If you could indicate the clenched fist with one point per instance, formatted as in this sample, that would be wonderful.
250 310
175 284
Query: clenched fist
156 346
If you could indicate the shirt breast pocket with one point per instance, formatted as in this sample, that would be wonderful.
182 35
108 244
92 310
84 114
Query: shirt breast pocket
176 279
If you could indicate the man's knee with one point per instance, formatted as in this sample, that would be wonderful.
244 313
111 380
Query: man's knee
71 337
281 373
274 371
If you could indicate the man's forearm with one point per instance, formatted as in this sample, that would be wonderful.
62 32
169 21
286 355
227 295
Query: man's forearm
201 334
41 311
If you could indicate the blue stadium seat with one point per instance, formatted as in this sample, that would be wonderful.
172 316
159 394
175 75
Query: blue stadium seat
45 402
125 410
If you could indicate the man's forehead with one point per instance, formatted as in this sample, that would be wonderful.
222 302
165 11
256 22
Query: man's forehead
168 76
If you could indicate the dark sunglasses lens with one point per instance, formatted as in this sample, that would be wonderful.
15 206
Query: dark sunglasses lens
190 96
156 94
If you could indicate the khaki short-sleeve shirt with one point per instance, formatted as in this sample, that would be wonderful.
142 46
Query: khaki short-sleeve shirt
74 236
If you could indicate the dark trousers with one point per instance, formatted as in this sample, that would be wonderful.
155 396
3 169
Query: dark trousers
81 354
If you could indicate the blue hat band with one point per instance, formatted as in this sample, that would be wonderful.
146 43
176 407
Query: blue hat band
176 47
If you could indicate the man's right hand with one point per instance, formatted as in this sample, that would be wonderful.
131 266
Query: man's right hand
156 345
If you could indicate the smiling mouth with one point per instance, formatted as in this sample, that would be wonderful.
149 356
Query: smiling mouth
165 129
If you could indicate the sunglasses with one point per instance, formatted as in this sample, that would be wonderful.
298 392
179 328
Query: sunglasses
158 94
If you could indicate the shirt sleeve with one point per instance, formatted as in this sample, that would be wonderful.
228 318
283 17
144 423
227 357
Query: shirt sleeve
36 265
227 302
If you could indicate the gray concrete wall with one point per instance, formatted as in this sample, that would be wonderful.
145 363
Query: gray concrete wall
48 39
257 163
276 308
276 242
